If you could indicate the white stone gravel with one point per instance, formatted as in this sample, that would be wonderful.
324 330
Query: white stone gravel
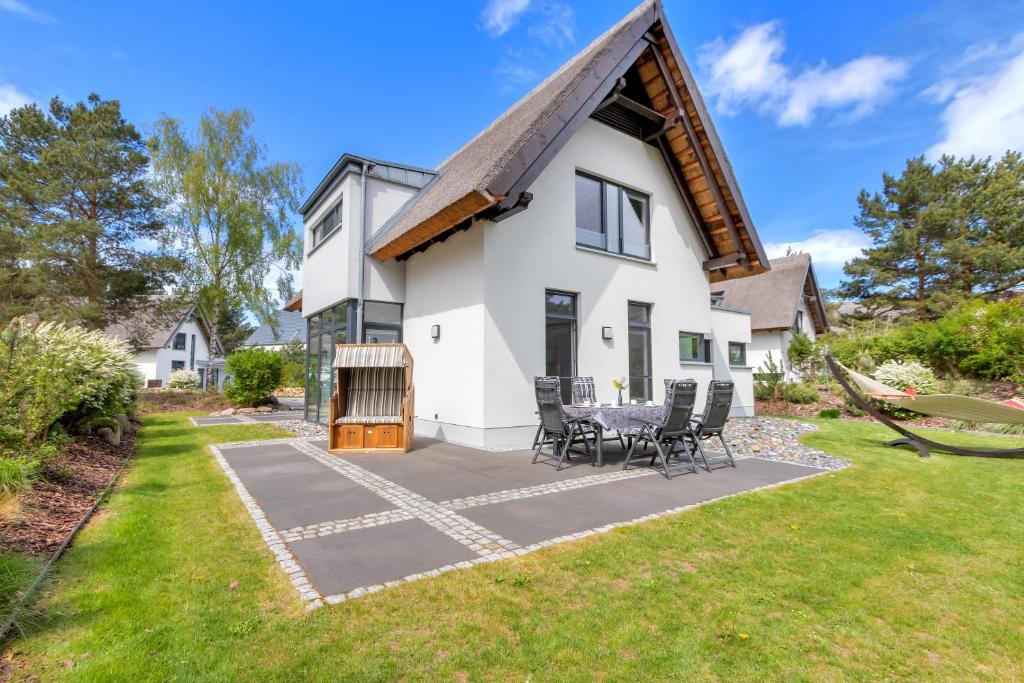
773 438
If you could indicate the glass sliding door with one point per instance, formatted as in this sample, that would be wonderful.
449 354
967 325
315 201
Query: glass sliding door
324 331
640 351
312 367
560 339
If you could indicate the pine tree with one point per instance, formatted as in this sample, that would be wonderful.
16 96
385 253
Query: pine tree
80 225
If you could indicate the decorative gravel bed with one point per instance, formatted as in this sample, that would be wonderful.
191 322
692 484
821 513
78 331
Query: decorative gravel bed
776 439
303 428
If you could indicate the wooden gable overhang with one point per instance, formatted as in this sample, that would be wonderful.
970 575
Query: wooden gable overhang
815 302
683 132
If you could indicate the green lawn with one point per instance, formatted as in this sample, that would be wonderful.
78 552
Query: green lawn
895 568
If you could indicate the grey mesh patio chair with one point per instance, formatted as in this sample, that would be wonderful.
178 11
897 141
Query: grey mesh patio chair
558 430
584 391
540 425
671 432
712 422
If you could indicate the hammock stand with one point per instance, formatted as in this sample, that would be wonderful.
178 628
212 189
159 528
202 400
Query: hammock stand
919 442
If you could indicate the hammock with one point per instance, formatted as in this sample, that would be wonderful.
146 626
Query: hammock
942 405
937 405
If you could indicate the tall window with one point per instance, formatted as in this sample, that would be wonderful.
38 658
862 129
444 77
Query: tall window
639 351
179 341
694 348
560 338
612 218
323 331
192 355
799 326
330 221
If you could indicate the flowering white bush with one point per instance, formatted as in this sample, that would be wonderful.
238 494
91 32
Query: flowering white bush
53 369
901 375
183 379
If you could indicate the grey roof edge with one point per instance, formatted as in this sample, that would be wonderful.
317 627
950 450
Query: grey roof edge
211 331
731 310
337 170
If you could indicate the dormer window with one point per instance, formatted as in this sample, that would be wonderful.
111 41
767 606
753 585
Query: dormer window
612 218
330 222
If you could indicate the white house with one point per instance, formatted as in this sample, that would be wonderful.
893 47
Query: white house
581 233
783 301
177 339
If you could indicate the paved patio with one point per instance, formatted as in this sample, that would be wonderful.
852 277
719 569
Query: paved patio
254 418
345 526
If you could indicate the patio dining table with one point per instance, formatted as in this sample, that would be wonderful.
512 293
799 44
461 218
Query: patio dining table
609 418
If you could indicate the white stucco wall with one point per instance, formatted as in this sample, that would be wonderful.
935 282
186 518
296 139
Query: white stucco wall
446 288
328 272
733 326
146 360
536 250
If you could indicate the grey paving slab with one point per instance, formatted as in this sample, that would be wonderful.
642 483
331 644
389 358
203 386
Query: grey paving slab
315 499
227 420
276 417
341 562
536 519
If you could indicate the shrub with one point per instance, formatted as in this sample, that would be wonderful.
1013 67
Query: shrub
908 374
53 371
293 375
799 392
294 351
184 379
255 374
16 475
830 413
963 426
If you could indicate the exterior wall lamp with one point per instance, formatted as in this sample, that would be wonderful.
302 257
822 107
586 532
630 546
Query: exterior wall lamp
606 333
435 332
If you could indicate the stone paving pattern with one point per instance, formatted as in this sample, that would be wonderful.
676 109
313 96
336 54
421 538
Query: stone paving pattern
342 527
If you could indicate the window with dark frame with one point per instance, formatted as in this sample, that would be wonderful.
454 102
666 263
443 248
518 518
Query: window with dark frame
179 342
192 355
177 365
737 353
382 322
612 218
694 347
639 316
560 339
330 222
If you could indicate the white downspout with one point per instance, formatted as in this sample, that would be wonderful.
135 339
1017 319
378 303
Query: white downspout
362 257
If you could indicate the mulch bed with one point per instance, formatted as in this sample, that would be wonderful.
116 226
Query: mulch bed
69 488
180 400
782 408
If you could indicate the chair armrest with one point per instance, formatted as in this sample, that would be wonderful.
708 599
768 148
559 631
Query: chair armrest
648 422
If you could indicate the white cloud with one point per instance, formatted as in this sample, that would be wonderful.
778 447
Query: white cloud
556 24
11 97
750 71
985 116
828 248
499 15
23 10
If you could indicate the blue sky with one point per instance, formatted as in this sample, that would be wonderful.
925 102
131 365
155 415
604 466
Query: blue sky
812 100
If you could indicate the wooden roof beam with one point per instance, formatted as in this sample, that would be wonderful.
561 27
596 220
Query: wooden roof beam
694 141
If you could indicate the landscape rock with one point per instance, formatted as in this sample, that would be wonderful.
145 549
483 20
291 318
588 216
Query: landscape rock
264 409
246 411
122 420
228 411
112 437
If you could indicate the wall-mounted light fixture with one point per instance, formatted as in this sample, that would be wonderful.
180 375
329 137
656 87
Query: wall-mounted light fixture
435 332
606 333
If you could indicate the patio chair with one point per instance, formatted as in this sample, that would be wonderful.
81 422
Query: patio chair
584 391
671 432
557 429
712 422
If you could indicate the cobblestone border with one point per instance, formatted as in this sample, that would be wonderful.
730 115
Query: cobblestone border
366 590
285 440
291 567
240 420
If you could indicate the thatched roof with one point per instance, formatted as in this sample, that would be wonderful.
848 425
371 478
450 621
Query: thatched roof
152 326
490 174
772 298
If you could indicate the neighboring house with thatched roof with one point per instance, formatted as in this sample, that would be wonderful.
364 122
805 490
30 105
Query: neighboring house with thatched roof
783 301
580 233
169 337
290 326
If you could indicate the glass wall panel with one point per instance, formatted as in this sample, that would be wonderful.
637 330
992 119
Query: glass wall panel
560 339
639 351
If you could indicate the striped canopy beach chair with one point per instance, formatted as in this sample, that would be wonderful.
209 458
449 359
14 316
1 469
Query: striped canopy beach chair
372 405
